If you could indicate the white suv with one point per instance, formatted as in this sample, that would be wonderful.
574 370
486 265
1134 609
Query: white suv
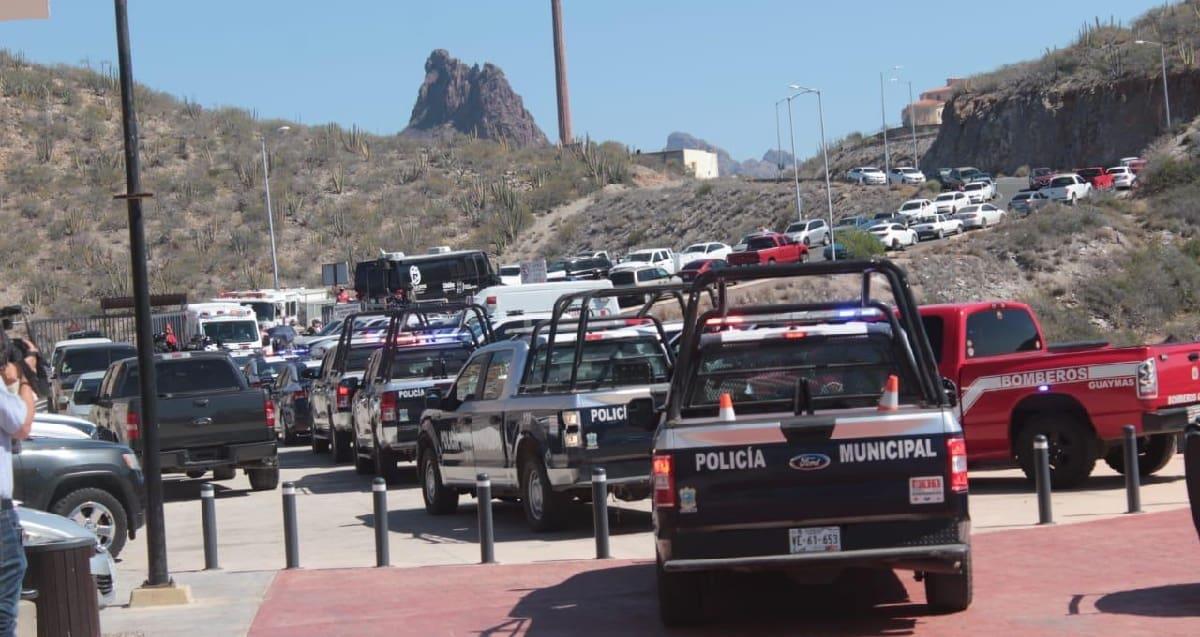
660 257
1069 188
866 175
950 202
810 232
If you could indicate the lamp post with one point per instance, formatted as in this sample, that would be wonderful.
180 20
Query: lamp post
824 154
795 167
270 216
778 147
883 121
912 119
1162 54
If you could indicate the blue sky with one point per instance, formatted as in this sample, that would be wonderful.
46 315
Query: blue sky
638 69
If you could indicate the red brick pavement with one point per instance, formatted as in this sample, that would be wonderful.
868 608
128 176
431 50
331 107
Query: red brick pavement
1137 575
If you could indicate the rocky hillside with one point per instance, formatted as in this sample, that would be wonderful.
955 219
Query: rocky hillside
1088 104
471 101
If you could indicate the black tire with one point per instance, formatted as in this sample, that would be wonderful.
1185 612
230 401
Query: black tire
895 244
950 593
545 508
941 234
385 464
439 500
362 466
806 242
263 478
804 258
98 511
319 445
1154 453
1073 448
224 473
771 261
339 445
826 241
195 474
289 435
680 597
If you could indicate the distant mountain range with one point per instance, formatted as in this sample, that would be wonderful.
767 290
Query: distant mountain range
758 168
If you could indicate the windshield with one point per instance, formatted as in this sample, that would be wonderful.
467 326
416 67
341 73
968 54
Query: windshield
88 384
760 243
642 257
625 277
79 360
263 309
945 197
603 363
510 270
973 186
356 360
429 363
911 205
331 328
231 331
699 247
1063 181
556 265
842 372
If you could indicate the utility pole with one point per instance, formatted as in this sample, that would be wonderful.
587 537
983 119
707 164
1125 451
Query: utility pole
560 75
883 117
156 541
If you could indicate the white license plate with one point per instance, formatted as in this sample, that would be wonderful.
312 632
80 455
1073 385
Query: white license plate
822 539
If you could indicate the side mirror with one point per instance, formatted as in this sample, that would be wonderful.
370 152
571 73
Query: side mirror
84 398
951 391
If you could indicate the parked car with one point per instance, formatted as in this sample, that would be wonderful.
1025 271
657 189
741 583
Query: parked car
893 236
809 232
979 191
835 251
209 418
905 175
980 216
261 371
62 346
770 248
938 227
1040 177
857 222
1123 177
960 177
83 394
290 394
709 250
62 426
1099 178
588 267
951 202
95 483
40 527
639 277
1028 201
890 217
659 257
80 359
866 175
917 208
1067 188
510 274
695 268
556 270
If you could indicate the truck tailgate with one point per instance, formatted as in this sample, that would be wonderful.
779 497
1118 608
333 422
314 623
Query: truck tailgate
1177 373
760 480
212 420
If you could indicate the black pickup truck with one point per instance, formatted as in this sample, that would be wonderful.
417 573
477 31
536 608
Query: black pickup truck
809 437
538 413
209 418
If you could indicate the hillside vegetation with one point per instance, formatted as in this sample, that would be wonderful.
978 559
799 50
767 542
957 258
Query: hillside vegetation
337 193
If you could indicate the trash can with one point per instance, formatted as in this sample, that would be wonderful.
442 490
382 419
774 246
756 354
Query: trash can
60 572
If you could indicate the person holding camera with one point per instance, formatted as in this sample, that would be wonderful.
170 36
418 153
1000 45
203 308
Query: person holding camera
17 399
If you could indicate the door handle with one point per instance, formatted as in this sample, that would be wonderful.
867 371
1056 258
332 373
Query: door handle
202 422
1194 356
200 402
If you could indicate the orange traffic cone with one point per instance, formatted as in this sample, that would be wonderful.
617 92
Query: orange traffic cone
890 400
726 403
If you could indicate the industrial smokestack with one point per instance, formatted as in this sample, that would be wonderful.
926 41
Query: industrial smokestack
560 74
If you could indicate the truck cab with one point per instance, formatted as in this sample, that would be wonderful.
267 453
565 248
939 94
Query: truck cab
232 326
808 437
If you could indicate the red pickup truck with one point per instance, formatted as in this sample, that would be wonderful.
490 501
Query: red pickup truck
1098 177
1012 386
769 247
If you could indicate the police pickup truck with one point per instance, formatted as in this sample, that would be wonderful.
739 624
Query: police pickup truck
537 414
342 370
424 347
808 438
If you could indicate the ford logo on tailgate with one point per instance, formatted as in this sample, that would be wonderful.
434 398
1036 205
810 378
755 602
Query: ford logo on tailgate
809 462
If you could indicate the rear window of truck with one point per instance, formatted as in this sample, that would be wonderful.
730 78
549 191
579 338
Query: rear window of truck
842 372
1001 331
428 363
196 375
605 363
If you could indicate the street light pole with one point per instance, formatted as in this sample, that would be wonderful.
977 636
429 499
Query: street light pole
825 156
270 215
912 121
795 166
883 119
1162 54
778 146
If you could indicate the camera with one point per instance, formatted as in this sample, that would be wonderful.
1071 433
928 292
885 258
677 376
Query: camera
15 351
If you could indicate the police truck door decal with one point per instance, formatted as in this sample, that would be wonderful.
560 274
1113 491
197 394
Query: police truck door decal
414 275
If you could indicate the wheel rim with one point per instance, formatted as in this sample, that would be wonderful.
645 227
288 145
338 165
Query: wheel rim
96 518
1064 449
430 481
534 495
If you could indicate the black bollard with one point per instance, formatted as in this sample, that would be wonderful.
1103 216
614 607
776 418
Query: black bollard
483 498
379 493
600 511
1191 467
290 539
1041 463
208 520
1133 482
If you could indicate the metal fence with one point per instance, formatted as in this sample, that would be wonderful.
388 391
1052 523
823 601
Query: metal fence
119 327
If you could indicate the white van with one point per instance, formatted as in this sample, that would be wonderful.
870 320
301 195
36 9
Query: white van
233 326
536 300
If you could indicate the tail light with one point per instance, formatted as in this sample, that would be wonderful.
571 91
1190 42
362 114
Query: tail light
1147 379
269 409
133 428
343 398
490 302
299 394
956 451
664 480
387 408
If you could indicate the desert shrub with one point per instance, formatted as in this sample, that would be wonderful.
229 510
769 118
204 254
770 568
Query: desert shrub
1153 286
1163 172
1175 210
859 244
931 187
1063 324
704 189
1021 171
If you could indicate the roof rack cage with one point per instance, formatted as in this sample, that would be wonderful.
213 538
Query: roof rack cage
423 310
915 340
585 298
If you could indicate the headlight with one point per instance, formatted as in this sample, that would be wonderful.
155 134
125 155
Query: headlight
131 461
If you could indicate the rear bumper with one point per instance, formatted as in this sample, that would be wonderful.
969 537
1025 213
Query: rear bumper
400 439
1171 420
253 453
942 558
630 474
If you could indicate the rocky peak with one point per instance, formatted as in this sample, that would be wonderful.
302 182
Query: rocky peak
473 101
